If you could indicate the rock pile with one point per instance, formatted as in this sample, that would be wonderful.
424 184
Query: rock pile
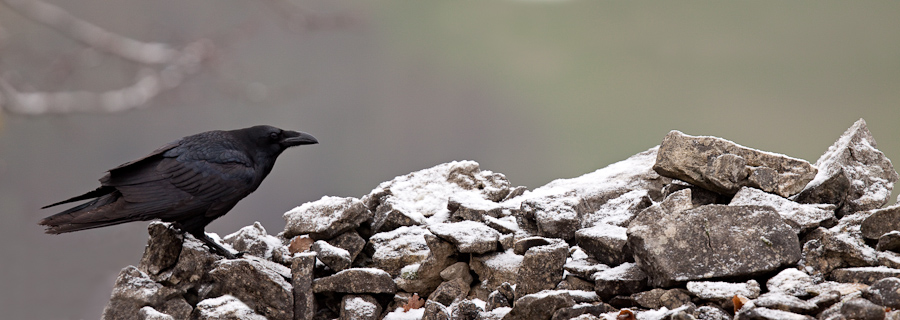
696 228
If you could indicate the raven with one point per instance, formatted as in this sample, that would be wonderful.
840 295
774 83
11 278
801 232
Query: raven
189 182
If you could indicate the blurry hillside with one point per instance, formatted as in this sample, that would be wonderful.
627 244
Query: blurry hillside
535 90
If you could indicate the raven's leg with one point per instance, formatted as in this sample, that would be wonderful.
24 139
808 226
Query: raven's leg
213 246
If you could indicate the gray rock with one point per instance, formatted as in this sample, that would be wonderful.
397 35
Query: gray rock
465 310
335 258
522 245
148 313
844 289
473 208
270 294
253 240
801 217
673 203
649 299
427 275
497 300
825 300
494 269
450 291
302 267
571 282
350 241
560 207
436 311
356 280
192 268
539 306
411 199
582 309
459 270
790 281
506 225
769 314
605 243
325 218
711 313
784 302
399 248
468 236
862 309
885 292
853 174
163 248
354 307
880 222
177 307
865 275
723 166
225 308
889 242
133 290
580 264
717 290
541 268
624 279
712 241
675 298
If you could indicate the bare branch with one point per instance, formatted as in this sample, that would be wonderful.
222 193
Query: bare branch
91 35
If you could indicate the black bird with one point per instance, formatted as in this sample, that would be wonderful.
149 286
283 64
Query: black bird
190 182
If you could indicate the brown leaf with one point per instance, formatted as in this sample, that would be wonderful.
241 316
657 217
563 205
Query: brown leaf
300 244
414 302
739 301
625 314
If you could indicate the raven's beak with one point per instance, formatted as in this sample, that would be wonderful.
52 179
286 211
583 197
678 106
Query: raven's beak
294 138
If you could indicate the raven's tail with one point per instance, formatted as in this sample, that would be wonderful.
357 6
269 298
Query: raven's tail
94 214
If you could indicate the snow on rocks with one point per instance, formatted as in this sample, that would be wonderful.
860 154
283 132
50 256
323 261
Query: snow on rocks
622 242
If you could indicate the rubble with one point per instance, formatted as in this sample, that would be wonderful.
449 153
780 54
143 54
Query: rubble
745 234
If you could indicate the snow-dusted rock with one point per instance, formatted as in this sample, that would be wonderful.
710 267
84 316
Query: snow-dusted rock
624 279
335 258
421 197
885 292
135 289
325 218
781 301
862 309
270 295
350 241
399 248
866 275
225 308
853 174
880 222
583 310
560 207
302 265
801 217
539 306
717 290
494 269
541 268
359 307
468 236
449 292
253 240
605 243
723 166
889 242
424 277
790 281
582 265
148 313
712 241
769 314
356 280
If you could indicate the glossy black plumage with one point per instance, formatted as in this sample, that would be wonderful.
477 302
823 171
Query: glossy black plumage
190 182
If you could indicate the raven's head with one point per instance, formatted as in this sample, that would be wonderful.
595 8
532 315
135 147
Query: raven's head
271 141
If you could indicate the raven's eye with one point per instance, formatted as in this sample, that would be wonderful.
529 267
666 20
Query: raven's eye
274 136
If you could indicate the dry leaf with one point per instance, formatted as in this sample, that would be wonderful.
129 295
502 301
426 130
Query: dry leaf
739 301
300 244
625 314
414 302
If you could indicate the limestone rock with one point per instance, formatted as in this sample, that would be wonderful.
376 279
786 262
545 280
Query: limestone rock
889 242
270 295
880 222
354 307
784 302
427 275
539 306
581 309
853 174
494 269
624 279
769 314
163 248
712 241
148 313
356 280
253 240
862 309
581 265
350 241
885 292
468 236
459 270
133 290
801 217
541 268
335 258
865 275
398 248
790 281
717 290
605 243
325 218
465 310
723 166
225 308
450 291
302 276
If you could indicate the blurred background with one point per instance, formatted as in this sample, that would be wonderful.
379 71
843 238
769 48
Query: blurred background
537 90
